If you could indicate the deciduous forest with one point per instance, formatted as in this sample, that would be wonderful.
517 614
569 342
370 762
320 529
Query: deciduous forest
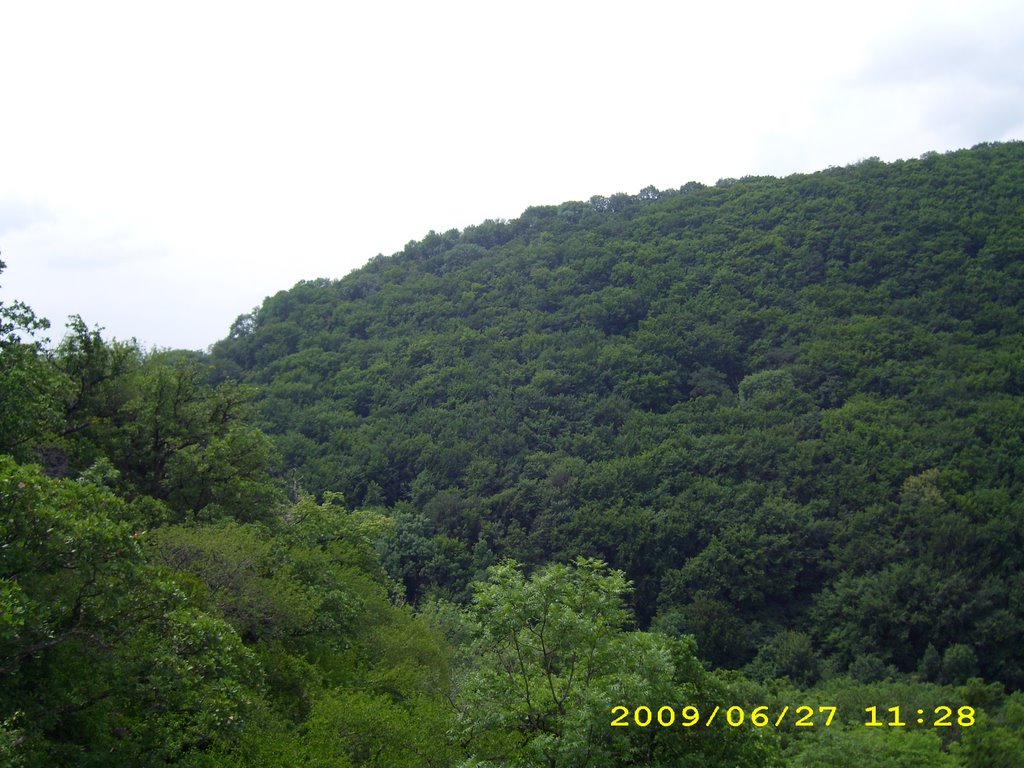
720 475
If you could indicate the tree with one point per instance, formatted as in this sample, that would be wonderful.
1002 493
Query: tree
999 742
552 659
102 654
872 747
32 391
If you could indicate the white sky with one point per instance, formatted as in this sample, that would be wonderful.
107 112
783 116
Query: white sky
164 166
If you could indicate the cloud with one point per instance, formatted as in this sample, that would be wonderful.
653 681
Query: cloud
19 215
60 264
937 78
180 190
958 77
56 241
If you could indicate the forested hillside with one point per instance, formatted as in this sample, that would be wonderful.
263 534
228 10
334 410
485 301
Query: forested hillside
714 476
789 409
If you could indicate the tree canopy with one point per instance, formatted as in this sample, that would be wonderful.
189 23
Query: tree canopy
554 491
778 405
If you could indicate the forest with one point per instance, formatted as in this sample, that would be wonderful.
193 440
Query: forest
721 475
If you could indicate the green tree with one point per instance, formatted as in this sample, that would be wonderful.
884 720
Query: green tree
835 747
552 658
998 739
102 654
32 391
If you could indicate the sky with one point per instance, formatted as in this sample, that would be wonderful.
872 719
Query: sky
166 166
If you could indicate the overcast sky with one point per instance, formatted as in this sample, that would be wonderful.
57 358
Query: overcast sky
165 166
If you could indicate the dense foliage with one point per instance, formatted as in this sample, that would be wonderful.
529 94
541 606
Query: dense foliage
160 601
789 409
754 447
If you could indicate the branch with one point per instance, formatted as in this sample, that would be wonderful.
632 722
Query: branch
43 645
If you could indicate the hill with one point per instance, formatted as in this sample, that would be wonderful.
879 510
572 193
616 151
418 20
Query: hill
556 491
789 409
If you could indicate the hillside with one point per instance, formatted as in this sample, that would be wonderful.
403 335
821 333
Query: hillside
789 409
556 492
